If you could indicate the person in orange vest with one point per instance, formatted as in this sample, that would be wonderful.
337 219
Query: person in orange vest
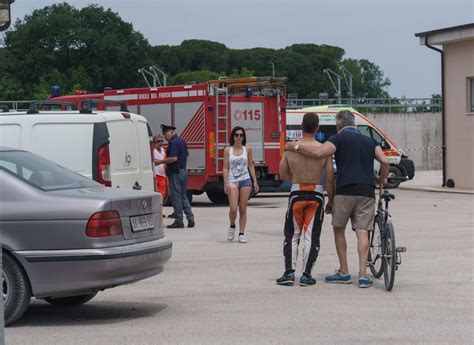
159 155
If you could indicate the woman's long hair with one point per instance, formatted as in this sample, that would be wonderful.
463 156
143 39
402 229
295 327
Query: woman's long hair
235 129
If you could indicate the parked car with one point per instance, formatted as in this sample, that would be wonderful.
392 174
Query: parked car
66 237
110 147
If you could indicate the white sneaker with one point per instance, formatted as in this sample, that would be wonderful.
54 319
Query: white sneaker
242 239
231 233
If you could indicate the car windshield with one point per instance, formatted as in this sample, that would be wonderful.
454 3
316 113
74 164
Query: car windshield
42 173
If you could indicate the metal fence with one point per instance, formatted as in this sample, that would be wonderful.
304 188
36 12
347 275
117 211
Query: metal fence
373 105
366 105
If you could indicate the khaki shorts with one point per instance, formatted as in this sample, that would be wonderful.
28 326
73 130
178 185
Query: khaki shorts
359 209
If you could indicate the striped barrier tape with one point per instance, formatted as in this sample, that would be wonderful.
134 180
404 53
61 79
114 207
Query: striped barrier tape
421 148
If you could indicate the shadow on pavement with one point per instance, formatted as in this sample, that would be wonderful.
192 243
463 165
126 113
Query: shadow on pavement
43 314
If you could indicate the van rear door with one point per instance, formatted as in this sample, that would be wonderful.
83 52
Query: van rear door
124 156
147 176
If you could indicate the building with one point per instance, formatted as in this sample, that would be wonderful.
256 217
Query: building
456 47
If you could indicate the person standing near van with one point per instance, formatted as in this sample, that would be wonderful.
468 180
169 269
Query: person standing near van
355 190
159 159
176 158
306 204
238 174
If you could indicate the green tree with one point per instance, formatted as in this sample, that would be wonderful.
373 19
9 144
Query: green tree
91 48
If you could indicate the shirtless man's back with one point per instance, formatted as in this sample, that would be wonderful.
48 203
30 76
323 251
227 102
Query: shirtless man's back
306 204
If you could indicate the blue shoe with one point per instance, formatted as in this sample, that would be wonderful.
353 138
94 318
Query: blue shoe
288 278
365 282
339 278
306 280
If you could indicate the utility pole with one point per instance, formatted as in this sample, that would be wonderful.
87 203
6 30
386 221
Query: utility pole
329 71
273 68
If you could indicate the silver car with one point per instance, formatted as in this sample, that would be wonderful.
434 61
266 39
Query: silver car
65 237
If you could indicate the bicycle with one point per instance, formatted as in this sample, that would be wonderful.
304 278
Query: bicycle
384 255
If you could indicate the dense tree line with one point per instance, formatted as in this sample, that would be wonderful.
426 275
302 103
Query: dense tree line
92 48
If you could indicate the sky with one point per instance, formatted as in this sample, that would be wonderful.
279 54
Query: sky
382 31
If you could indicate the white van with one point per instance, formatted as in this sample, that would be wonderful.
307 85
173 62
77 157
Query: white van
400 164
111 147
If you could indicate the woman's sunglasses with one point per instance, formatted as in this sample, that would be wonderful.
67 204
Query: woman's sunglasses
158 141
239 135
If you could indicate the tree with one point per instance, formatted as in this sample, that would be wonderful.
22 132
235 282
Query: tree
87 48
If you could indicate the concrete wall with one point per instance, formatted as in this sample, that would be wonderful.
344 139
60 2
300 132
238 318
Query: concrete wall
459 67
418 134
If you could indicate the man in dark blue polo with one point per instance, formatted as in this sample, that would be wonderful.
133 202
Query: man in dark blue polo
176 157
355 190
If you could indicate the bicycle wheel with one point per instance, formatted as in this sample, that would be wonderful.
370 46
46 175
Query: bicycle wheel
390 257
375 251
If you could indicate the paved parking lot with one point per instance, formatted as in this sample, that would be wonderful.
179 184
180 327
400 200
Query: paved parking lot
215 292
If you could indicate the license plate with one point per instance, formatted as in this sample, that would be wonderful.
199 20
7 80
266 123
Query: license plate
140 223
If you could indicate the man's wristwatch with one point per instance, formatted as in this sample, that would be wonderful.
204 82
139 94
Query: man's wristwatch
296 147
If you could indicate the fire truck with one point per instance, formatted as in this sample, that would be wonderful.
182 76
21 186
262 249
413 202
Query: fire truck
204 115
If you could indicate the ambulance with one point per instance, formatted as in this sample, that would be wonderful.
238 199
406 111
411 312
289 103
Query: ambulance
400 164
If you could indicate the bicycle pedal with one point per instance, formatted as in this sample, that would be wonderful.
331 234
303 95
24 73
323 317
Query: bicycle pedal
401 249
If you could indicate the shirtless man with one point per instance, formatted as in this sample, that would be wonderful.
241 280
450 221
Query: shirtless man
306 203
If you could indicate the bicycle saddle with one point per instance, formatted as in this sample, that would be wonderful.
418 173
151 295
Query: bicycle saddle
387 195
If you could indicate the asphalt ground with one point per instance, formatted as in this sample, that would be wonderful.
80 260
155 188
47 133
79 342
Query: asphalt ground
216 292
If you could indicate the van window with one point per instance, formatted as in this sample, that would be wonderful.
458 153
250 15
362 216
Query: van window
370 132
294 132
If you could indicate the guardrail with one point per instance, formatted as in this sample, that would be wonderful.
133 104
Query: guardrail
373 105
367 105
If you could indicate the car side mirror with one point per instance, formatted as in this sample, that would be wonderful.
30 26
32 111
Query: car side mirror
384 145
5 14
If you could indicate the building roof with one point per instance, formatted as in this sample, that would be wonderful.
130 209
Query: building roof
447 35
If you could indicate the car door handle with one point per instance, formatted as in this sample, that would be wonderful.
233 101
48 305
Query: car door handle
137 186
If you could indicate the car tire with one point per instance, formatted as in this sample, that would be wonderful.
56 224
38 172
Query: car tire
394 171
70 301
16 291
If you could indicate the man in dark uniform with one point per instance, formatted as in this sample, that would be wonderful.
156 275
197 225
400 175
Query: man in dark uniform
176 157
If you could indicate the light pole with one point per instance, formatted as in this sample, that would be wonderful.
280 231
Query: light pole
329 71
5 14
273 68
348 84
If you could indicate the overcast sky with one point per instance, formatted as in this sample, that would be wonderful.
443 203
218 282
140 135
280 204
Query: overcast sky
379 30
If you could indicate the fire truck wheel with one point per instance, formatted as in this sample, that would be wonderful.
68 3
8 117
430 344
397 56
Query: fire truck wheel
167 200
218 198
189 194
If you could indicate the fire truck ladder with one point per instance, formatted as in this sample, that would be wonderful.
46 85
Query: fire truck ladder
221 115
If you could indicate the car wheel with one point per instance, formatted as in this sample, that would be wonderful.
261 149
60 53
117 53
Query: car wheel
393 171
70 301
16 290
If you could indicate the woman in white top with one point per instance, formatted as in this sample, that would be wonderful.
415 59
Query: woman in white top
239 172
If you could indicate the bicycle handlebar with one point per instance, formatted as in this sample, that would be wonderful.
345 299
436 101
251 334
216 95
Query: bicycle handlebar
398 178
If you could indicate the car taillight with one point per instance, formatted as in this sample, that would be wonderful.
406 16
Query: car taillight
103 166
104 224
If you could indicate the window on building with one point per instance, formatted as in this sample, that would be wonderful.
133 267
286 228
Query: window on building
470 86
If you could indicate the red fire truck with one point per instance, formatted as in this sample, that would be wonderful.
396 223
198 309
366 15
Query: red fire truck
204 115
